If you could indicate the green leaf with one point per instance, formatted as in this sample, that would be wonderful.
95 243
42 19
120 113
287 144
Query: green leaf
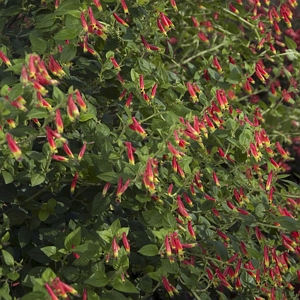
97 279
38 113
100 204
34 296
169 221
245 138
124 286
153 218
43 215
66 34
48 275
149 250
7 177
288 223
24 236
49 250
86 117
73 238
5 292
8 258
290 43
68 53
221 250
39 45
37 179
110 177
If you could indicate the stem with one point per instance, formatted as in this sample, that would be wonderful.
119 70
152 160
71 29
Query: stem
203 52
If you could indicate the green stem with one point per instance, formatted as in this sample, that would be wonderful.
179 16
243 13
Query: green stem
203 52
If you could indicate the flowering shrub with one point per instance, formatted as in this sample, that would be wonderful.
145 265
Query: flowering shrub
143 149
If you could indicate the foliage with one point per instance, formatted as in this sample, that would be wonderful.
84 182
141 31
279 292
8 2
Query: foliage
141 149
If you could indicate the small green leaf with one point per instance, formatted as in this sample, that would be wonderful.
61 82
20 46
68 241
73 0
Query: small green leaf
38 113
124 286
49 250
39 45
7 177
34 296
97 279
290 43
68 53
288 223
43 215
37 179
86 117
73 238
66 34
149 250
8 258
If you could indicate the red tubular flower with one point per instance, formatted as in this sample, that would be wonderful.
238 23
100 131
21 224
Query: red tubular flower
215 178
105 189
169 288
55 67
174 151
73 184
84 22
98 5
121 188
192 92
142 86
276 27
223 235
43 102
120 78
203 37
72 109
233 9
170 189
122 94
145 43
136 126
84 294
283 153
115 248
217 65
120 20
50 139
161 27
173 3
269 181
188 200
80 101
39 88
115 64
153 91
50 292
68 150
57 2
125 242
5 59
11 123
181 209
13 147
124 5
82 151
130 152
58 122
129 100
191 230
59 158
266 256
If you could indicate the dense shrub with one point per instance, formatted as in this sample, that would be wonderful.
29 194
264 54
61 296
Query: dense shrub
143 149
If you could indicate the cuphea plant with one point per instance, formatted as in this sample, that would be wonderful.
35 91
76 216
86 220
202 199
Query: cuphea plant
143 149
